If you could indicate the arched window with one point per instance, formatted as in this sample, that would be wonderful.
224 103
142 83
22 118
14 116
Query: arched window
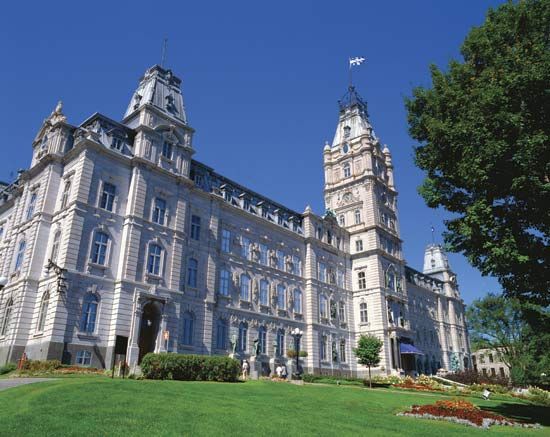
363 312
357 215
342 220
99 248
43 311
20 255
347 170
224 282
7 317
280 342
154 259
297 301
221 334
55 246
245 287
264 292
281 296
243 335
89 313
192 272
187 337
262 337
323 306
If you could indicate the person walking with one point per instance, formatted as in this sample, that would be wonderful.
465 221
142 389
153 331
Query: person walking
245 369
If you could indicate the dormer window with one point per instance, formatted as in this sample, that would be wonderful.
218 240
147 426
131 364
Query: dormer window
44 143
116 143
167 150
347 131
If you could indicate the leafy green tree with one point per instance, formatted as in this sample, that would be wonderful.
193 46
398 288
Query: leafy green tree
368 352
483 129
502 325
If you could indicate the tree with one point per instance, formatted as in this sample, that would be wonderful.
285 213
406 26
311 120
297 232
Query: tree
484 143
368 352
501 325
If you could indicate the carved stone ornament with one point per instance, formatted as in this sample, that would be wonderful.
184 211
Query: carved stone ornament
233 319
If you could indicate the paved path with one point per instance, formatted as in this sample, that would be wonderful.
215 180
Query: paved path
14 382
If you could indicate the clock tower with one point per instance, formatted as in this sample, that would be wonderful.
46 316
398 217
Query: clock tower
359 190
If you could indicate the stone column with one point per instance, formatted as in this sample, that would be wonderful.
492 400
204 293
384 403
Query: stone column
133 349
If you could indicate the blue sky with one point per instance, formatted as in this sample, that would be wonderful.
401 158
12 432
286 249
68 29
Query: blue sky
261 82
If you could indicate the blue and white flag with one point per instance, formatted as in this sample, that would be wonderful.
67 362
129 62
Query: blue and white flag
358 60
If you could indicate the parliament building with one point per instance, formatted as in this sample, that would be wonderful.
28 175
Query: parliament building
116 242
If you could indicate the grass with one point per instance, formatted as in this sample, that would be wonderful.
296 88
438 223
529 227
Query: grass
101 406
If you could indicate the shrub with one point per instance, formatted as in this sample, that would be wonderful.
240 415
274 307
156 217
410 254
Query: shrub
470 376
190 367
40 366
538 396
10 367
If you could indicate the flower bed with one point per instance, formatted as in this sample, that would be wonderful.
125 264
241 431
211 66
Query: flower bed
464 412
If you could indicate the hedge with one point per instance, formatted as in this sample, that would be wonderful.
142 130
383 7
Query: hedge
190 367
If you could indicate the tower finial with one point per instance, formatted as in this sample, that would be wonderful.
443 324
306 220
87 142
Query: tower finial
163 57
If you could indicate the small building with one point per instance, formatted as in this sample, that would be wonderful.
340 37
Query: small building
489 362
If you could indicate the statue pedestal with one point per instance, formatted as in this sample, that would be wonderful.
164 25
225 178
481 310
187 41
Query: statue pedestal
255 368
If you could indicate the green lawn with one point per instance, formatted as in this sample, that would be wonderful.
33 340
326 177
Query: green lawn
104 407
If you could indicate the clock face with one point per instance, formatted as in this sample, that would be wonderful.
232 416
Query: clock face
345 148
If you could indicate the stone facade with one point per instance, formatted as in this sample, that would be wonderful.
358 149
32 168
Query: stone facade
164 254
489 362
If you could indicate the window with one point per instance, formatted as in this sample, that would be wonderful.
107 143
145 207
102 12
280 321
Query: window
264 292
159 211
262 337
347 131
154 259
363 313
362 280
329 237
263 254
43 311
493 372
245 287
32 204
167 150
55 246
245 248
343 351
359 245
280 342
322 272
340 278
20 255
116 143
319 233
281 296
280 260
99 248
501 370
323 306
347 170
357 215
342 220
297 262
324 348
226 241
84 358
89 313
342 311
195 227
65 195
192 271
107 196
391 279
491 360
221 334
297 301
243 334
224 282
7 317
187 337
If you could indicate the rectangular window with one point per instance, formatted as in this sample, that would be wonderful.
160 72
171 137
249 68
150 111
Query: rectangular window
264 292
20 255
116 143
226 241
357 216
245 248
65 195
192 272
167 150
280 260
263 254
99 252
187 330
322 272
297 262
362 280
297 301
154 259
363 314
224 282
342 310
84 358
340 278
159 211
281 297
195 227
262 337
221 335
359 245
343 351
32 203
107 196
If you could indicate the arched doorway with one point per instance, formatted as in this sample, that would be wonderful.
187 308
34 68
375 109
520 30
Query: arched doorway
149 328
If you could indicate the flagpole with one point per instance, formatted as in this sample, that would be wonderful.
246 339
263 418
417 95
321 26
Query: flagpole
349 68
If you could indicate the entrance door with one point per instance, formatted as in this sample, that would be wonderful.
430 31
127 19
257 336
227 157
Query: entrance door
148 332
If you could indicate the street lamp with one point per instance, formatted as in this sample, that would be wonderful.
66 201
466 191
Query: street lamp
297 334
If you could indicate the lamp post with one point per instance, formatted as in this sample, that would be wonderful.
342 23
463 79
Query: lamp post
297 334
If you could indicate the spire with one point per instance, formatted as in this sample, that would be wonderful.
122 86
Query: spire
353 120
161 89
